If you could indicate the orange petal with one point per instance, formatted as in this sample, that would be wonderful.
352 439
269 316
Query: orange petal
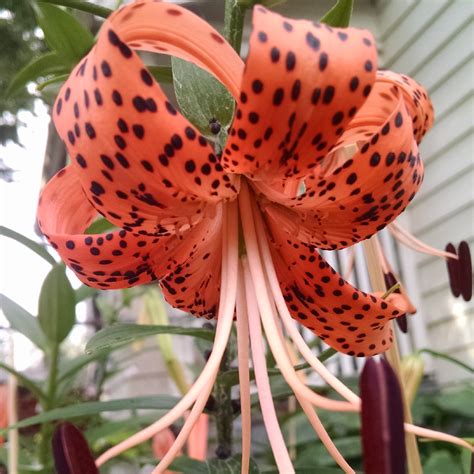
369 179
112 260
186 262
193 285
416 99
302 84
139 161
346 318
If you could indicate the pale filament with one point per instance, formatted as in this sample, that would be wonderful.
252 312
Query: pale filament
402 300
223 329
265 308
288 321
437 435
243 357
191 420
311 414
277 442
411 241
350 264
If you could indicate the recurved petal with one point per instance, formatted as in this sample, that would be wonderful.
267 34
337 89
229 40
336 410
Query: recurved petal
188 263
346 318
139 161
371 176
302 84
116 259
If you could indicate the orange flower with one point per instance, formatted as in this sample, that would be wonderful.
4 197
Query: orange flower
312 112
322 154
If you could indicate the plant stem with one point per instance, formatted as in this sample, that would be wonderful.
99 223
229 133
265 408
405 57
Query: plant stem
234 23
224 413
393 356
12 408
46 431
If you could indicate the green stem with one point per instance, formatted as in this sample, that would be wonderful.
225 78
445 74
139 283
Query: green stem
46 428
224 414
234 23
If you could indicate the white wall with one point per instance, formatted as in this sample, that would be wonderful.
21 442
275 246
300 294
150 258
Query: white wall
433 41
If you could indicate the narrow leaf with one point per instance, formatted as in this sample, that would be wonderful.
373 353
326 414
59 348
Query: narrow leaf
71 453
160 402
88 7
339 15
201 97
24 381
120 334
22 321
44 65
31 244
383 437
449 358
63 33
57 302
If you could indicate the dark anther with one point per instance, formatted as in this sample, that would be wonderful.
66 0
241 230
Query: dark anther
453 271
215 126
402 323
223 452
465 270
391 281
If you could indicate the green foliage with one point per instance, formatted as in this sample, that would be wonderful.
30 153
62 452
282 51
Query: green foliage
22 321
41 66
201 97
20 44
121 334
56 309
64 34
82 6
339 15
31 244
161 402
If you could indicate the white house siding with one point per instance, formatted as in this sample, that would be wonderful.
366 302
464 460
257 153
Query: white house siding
433 41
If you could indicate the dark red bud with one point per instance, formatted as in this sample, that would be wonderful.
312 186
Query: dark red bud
383 436
71 451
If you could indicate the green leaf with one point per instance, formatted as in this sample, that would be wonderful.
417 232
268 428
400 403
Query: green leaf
88 7
315 454
22 321
157 402
51 82
162 74
120 334
57 305
442 355
31 244
459 402
64 33
201 97
441 462
339 15
24 381
44 65
100 226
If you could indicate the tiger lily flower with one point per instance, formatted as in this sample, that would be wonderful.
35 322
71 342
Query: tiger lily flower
322 154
